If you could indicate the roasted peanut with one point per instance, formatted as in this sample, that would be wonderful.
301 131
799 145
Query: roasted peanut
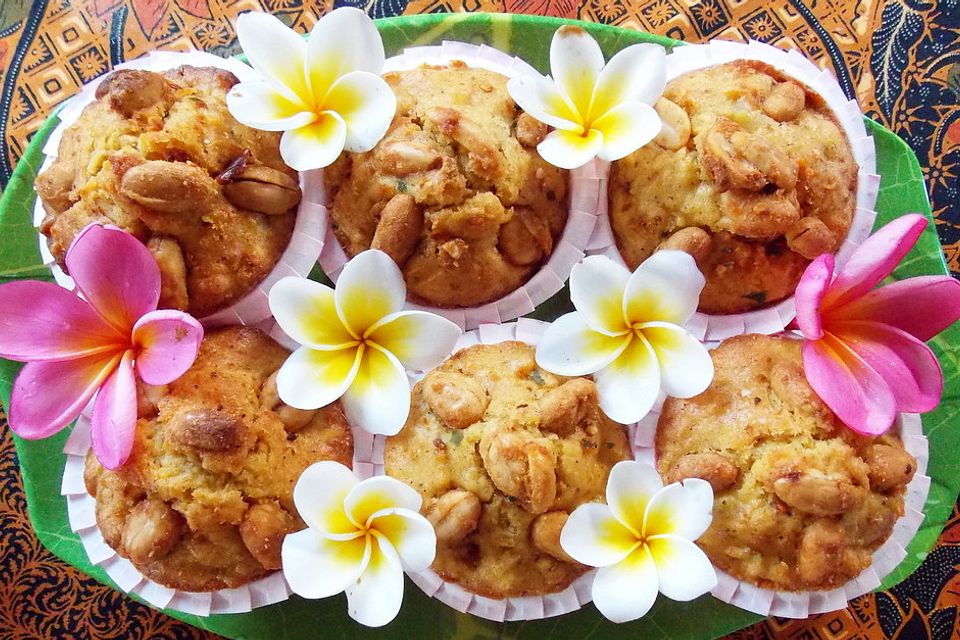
758 216
562 409
520 467
817 494
545 534
131 90
530 131
822 548
454 515
715 468
398 231
458 401
293 419
153 528
148 397
169 187
263 189
890 467
785 102
692 240
173 272
809 237
403 157
55 186
737 159
262 530
207 430
675 125
525 238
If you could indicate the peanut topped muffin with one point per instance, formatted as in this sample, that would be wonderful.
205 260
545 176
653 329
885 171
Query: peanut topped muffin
752 175
502 451
801 502
206 497
160 156
455 192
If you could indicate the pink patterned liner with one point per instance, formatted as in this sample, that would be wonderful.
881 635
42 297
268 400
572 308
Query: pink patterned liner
587 186
775 318
305 243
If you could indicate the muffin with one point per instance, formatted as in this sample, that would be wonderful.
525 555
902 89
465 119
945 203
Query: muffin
801 502
206 497
159 155
501 452
752 175
455 192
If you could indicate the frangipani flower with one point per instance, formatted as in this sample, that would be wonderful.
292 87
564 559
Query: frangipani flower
627 331
642 540
357 343
360 537
77 347
864 351
325 94
597 110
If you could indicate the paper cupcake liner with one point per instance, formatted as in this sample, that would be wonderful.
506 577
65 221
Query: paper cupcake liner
586 186
81 514
305 243
786 604
368 461
774 318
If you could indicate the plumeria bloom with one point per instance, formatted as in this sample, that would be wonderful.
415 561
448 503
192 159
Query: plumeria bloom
627 331
597 110
864 351
357 343
325 94
360 537
642 541
99 344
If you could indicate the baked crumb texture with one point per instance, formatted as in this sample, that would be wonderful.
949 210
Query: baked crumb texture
206 497
801 501
159 155
455 192
752 175
502 451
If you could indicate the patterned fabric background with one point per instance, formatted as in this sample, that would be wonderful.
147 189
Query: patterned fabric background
899 58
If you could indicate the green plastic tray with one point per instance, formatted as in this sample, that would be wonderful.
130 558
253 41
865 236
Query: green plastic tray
901 191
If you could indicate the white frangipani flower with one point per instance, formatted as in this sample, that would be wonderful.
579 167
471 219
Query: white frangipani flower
598 111
628 332
642 540
360 537
357 342
325 94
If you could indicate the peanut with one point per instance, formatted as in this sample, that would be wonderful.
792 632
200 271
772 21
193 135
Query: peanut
454 515
458 401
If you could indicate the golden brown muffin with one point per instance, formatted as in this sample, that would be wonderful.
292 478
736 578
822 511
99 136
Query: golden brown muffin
502 451
752 175
801 502
456 192
159 155
206 497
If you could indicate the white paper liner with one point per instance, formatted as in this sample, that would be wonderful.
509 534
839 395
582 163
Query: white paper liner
681 60
305 243
783 604
587 186
368 461
81 514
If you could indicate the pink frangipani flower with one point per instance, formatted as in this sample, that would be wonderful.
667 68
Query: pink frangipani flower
864 351
77 346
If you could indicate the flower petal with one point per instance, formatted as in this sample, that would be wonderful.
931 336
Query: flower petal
43 321
167 342
259 105
686 368
625 128
570 149
684 570
419 340
665 287
370 288
874 260
922 306
569 347
593 536
317 567
853 391
320 496
629 385
375 598
812 287
684 510
316 145
125 291
411 535
597 284
627 591
310 379
540 97
575 64
367 104
635 74
630 488
114 420
307 312
342 41
907 365
49 395
377 494
276 52
378 400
